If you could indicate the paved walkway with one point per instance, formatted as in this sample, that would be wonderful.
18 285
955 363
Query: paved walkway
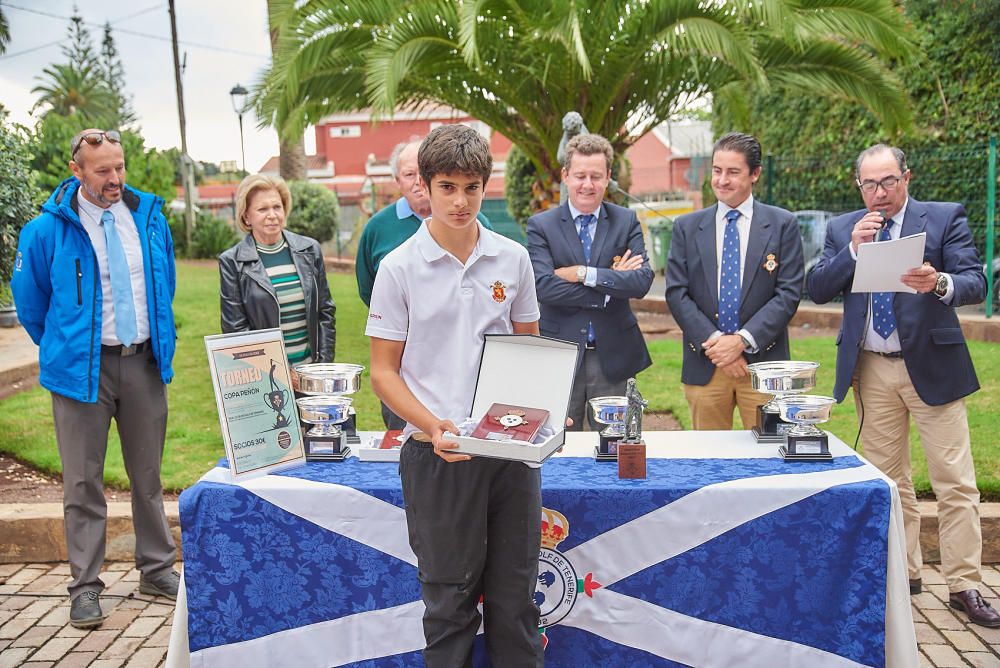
35 630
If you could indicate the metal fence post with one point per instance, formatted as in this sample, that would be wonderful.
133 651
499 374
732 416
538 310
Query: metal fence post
991 199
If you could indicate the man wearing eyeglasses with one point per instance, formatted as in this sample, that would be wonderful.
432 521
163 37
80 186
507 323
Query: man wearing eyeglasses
93 284
905 356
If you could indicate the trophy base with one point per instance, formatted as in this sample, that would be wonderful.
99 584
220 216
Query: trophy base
803 458
607 451
350 428
326 448
632 460
770 428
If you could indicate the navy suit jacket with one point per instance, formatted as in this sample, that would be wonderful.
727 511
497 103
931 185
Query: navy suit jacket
566 307
768 299
934 349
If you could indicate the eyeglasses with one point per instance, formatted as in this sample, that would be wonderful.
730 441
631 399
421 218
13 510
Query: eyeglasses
95 139
888 184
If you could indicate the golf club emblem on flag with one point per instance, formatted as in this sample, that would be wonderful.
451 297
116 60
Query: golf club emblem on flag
558 585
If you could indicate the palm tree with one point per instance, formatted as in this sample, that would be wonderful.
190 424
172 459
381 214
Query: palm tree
4 32
70 90
291 153
625 65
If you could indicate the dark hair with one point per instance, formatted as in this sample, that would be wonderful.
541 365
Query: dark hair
740 142
878 148
589 144
451 149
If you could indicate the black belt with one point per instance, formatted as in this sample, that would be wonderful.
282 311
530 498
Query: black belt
125 351
897 355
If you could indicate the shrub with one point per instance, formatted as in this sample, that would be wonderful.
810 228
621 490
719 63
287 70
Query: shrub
211 236
315 211
18 195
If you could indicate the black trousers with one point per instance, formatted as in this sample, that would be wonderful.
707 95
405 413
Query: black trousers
475 528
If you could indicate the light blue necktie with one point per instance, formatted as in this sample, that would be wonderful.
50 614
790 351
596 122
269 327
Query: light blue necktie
584 222
883 316
121 282
729 279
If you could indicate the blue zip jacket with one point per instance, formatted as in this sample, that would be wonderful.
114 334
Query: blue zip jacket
57 290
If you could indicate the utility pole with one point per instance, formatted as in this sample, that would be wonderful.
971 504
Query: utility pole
186 164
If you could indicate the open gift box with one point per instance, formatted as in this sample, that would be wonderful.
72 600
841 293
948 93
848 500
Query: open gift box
523 370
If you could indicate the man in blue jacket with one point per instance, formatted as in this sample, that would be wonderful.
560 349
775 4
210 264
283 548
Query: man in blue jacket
93 284
904 355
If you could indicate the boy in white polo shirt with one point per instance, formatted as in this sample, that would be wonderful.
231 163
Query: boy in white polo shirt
474 523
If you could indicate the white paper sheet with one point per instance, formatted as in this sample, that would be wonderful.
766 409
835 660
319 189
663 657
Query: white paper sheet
880 264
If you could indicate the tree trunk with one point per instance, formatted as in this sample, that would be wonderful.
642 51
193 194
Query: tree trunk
291 156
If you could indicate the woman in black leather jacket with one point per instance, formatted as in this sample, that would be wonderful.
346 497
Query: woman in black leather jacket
276 278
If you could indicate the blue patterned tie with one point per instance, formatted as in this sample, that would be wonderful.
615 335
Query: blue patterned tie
883 316
584 222
121 282
729 280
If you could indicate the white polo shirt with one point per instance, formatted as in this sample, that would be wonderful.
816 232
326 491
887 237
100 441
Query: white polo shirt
442 309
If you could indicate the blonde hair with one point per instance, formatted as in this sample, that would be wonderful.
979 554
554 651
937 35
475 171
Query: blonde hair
252 184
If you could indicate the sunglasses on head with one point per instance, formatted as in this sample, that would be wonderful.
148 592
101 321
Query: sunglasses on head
95 139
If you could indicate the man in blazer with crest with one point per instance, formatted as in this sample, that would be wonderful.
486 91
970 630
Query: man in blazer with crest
734 280
905 356
589 259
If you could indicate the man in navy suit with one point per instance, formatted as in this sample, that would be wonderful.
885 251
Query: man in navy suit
734 280
589 259
904 354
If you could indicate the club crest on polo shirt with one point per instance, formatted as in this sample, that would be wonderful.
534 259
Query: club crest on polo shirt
499 292
558 586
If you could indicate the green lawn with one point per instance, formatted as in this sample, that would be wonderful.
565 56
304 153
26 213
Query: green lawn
194 442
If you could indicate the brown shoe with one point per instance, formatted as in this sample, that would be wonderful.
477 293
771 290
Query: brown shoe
916 586
979 611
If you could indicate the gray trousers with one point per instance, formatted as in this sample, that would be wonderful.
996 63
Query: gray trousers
590 382
132 393
475 527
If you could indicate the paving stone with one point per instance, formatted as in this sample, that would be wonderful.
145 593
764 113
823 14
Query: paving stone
97 641
927 601
944 619
931 576
147 657
131 576
927 634
38 664
39 608
5 643
111 577
943 656
121 588
71 632
8 589
34 637
9 569
918 616
119 619
121 648
982 659
964 641
122 566
26 576
108 663
10 658
54 649
46 584
991 576
15 627
134 604
16 603
161 638
143 627
990 636
77 660
924 661
60 569
57 617
161 610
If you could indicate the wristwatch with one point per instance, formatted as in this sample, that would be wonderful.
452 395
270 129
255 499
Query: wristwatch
746 341
581 273
941 286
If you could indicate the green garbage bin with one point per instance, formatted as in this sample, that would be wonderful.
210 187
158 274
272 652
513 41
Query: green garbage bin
660 230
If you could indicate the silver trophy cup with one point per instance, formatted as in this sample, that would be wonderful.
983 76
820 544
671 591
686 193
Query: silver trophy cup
328 409
781 378
609 411
805 441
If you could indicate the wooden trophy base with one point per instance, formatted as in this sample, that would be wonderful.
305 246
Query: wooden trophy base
607 451
631 460
807 448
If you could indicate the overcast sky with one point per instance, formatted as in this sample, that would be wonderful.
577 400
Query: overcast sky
226 42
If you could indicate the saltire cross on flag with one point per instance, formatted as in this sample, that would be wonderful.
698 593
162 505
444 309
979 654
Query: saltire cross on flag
708 562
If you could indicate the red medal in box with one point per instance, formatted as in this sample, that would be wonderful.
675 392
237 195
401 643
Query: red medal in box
504 422
391 440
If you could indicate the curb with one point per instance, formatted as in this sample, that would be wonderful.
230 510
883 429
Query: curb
33 532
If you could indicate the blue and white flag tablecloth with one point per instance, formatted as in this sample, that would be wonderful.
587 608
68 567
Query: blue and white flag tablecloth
724 556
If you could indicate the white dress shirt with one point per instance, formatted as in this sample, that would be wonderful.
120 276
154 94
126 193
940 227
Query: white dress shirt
743 227
90 216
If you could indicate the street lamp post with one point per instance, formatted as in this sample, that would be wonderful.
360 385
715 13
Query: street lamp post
239 97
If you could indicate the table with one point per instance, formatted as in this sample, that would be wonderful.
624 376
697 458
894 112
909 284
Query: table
726 555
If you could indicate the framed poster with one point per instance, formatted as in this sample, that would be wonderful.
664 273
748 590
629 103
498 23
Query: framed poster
253 392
